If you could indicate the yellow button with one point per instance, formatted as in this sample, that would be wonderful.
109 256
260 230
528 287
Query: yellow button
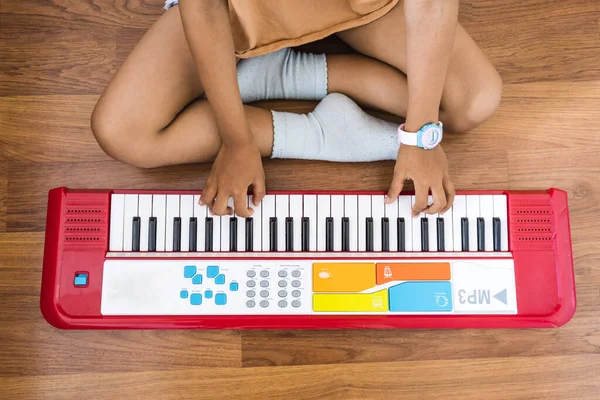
343 277
351 302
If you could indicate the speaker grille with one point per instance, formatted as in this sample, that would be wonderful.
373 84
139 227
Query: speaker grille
531 223
86 221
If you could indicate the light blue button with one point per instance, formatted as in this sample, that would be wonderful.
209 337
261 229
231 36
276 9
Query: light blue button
183 294
208 294
233 286
196 299
81 280
212 271
197 279
221 299
421 296
189 271
220 279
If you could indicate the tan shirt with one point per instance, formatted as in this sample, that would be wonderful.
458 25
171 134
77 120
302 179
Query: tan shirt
264 26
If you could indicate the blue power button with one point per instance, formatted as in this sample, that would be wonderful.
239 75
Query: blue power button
81 279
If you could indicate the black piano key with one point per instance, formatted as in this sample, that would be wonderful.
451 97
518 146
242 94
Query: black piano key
464 226
497 232
208 234
135 233
233 234
369 234
273 234
385 234
193 233
480 234
249 234
152 234
305 233
289 234
401 234
441 239
177 234
329 234
424 234
345 234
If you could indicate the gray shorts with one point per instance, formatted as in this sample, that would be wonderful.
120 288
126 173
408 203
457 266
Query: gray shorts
170 3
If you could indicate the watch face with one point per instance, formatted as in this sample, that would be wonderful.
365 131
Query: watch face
431 136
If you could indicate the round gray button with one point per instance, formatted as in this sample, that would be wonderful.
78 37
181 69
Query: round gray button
264 273
282 283
250 283
250 303
264 304
251 273
282 293
296 293
264 293
296 284
296 303
282 303
264 283
250 293
282 273
295 274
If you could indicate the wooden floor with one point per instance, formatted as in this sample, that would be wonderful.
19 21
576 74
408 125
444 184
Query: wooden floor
56 58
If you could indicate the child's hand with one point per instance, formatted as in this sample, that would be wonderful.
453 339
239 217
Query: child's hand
236 168
427 169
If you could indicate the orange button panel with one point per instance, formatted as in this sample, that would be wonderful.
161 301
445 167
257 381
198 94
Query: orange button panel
412 272
343 277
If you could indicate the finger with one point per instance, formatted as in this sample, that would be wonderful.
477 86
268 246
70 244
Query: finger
208 194
258 191
421 198
439 199
450 193
395 188
220 205
241 207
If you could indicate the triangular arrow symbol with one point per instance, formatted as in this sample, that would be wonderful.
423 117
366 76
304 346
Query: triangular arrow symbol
501 296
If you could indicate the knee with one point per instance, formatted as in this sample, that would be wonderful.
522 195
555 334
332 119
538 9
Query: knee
478 103
115 137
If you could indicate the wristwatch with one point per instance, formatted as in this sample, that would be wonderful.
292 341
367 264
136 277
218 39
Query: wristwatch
429 136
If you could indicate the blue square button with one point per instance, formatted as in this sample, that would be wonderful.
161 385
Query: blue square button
233 286
189 271
221 299
212 271
197 279
81 279
196 299
208 294
220 279
183 294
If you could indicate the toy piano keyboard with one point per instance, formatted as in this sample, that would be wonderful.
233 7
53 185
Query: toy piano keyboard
117 259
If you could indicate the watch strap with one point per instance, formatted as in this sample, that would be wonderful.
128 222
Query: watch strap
407 138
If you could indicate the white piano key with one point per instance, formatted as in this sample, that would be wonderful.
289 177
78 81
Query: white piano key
200 214
268 211
337 212
296 214
310 212
416 227
351 211
486 210
187 212
131 210
282 211
172 212
364 212
216 242
159 211
473 214
391 213
448 229
378 210
432 226
241 233
405 211
256 225
117 215
459 210
323 212
225 221
501 211
145 211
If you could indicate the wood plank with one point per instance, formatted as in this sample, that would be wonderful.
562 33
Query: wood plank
49 128
55 59
3 186
576 171
529 377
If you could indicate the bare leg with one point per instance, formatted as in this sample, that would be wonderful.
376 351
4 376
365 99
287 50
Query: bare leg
473 87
